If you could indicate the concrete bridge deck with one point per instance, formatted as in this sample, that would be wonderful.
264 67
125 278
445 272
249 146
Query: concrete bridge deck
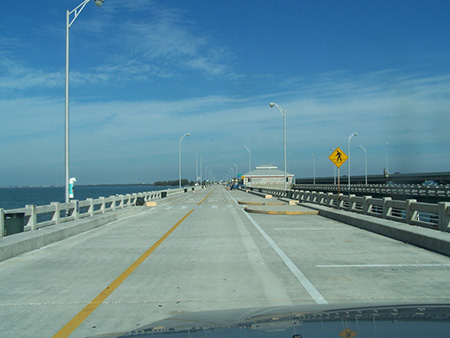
201 251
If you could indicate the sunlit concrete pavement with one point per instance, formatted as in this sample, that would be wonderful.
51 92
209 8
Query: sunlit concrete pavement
217 257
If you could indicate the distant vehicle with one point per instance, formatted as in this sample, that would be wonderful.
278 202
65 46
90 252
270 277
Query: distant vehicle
430 183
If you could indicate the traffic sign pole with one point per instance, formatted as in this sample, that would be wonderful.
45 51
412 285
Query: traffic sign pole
339 187
338 157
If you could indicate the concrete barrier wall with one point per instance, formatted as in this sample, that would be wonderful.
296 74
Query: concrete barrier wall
382 216
413 190
425 238
429 215
37 217
11 246
67 220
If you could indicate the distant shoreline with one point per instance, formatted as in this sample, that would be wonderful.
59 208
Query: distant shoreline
115 185
87 185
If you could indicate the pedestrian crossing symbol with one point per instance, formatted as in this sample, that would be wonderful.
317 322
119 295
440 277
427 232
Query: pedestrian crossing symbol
347 333
338 157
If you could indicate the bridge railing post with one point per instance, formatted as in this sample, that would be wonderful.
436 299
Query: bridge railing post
411 214
444 215
90 210
133 199
113 203
351 202
76 209
103 204
387 207
330 199
121 202
32 221
2 223
340 201
366 205
322 198
56 214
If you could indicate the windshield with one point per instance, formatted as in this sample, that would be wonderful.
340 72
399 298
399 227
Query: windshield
161 158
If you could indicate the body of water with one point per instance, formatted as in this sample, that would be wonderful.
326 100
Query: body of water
11 198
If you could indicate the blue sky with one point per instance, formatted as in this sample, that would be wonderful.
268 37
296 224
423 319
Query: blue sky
144 73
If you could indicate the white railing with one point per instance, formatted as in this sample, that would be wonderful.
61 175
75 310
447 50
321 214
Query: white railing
413 190
55 213
430 215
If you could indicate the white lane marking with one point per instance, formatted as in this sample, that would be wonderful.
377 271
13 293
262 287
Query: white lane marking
315 294
214 206
383 265
184 207
168 208
287 229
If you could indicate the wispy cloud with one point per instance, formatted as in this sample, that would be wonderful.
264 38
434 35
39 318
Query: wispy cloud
16 76
144 40
8 43
410 112
159 40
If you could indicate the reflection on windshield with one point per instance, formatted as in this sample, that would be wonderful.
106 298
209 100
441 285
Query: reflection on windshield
389 321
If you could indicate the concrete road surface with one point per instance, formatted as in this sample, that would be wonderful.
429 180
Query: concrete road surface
201 251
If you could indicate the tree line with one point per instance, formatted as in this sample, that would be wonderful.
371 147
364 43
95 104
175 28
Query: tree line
184 182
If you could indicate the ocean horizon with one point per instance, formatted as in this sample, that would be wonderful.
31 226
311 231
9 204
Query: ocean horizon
19 196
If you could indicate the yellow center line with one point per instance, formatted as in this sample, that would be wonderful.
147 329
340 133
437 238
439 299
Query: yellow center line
206 197
86 312
97 301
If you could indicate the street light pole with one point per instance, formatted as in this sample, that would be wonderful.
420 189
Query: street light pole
201 166
314 168
179 158
387 159
69 23
196 165
232 171
283 112
206 173
249 159
348 166
365 160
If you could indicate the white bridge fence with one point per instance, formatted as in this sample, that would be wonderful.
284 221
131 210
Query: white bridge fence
55 213
430 215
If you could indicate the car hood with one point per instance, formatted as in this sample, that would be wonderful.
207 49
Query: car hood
406 320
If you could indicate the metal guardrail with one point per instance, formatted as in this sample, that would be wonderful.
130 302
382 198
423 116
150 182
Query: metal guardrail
413 190
37 217
429 215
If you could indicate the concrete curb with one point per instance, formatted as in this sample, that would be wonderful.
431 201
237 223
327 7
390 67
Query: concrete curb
429 239
14 245
280 212
262 203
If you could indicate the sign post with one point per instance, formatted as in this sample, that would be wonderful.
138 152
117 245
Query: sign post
338 157
71 182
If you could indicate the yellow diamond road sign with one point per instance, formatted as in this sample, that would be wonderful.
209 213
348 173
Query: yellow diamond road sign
347 333
338 157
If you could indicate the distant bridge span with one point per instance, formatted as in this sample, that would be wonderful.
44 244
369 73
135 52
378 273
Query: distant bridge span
397 178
